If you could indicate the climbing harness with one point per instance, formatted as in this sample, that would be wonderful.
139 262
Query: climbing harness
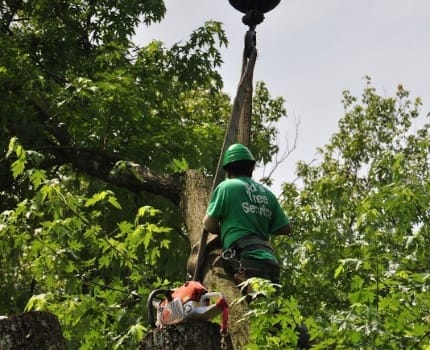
248 243
188 302
241 268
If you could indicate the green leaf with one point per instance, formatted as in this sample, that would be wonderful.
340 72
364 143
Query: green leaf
112 200
37 177
338 270
147 238
37 302
97 197
12 145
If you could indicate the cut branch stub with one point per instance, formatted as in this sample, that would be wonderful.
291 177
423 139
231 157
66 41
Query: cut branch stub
191 335
31 330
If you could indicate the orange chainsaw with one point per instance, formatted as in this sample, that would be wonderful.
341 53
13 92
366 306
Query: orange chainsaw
190 301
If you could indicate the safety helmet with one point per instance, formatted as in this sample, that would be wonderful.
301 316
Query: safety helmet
236 152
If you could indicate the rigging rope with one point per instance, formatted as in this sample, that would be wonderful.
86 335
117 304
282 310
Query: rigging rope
240 116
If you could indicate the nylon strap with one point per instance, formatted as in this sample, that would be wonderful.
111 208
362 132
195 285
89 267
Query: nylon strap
229 139
252 242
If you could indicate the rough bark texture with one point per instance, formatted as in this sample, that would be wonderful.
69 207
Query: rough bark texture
238 327
192 335
194 201
194 198
117 171
30 331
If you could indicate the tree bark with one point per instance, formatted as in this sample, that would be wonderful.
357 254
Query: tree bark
117 171
191 335
194 198
238 326
31 330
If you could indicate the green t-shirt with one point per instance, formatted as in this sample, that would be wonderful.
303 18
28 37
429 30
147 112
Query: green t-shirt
245 207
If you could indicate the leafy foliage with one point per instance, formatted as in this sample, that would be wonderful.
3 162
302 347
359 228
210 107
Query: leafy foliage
61 257
358 260
266 112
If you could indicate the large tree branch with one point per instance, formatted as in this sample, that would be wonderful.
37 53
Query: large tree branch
117 171
58 147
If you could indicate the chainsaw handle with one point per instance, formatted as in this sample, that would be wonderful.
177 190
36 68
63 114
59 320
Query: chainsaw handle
209 295
167 293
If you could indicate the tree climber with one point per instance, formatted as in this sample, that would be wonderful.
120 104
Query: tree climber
244 213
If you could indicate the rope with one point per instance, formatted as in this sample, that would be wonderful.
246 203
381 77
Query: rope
229 138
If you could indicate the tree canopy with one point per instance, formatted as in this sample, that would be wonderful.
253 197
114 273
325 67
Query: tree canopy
356 270
95 133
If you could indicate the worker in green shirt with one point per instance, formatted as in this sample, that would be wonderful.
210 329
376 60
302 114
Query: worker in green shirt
244 213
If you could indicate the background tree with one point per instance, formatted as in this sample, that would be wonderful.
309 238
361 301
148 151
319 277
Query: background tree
357 267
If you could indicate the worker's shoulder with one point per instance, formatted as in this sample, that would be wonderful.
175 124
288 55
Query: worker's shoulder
237 182
245 183
228 183
233 184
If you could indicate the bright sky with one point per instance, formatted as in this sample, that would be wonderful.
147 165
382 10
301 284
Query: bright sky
310 51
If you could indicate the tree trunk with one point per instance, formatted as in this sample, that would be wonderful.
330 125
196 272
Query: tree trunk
194 197
194 200
191 335
30 331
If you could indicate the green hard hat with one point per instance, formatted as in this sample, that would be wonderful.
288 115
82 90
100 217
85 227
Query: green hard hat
236 152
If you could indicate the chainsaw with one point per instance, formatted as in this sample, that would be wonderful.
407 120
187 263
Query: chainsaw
188 302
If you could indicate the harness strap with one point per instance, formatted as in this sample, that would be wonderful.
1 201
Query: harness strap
251 264
250 243
222 304
244 268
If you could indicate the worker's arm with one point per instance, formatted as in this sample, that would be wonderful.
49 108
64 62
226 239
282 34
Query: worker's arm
284 230
211 224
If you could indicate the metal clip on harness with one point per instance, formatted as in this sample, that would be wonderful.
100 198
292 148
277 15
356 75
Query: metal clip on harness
228 254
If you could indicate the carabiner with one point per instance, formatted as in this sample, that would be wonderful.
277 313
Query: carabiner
228 254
